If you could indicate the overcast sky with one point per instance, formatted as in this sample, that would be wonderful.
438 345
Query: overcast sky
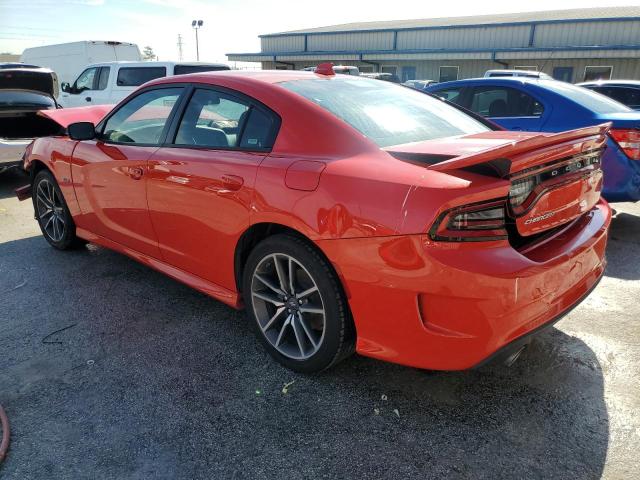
229 25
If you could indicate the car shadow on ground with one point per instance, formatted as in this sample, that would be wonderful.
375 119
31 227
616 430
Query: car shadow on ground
111 370
10 180
624 243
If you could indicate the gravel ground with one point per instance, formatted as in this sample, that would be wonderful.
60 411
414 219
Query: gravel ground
111 370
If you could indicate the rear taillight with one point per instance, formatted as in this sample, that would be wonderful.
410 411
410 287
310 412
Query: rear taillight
521 189
477 222
628 140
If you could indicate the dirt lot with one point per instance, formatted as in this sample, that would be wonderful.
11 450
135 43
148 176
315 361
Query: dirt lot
111 370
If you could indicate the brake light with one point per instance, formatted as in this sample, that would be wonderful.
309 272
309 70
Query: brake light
628 140
521 189
477 222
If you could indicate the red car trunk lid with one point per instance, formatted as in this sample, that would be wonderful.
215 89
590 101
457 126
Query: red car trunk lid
555 178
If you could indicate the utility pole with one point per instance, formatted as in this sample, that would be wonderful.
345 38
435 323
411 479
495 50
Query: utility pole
179 47
196 24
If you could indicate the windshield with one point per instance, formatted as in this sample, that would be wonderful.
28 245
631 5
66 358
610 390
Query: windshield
589 99
18 98
386 113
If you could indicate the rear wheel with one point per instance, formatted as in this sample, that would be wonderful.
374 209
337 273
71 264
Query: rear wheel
296 305
52 212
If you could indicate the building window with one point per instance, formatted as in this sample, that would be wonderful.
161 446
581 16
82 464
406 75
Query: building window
365 68
392 69
448 74
408 73
597 73
532 68
564 74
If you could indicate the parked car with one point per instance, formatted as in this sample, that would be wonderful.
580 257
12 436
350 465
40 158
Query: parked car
343 69
539 105
419 84
108 83
343 213
23 92
517 73
626 92
69 59
387 77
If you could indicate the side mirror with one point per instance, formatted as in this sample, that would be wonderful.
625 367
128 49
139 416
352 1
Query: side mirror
81 131
65 87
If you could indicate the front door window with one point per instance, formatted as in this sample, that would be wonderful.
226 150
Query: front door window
142 119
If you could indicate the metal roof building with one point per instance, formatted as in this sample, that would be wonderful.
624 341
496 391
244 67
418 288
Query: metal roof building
572 45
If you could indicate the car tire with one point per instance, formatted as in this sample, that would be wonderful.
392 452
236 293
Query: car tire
305 324
51 212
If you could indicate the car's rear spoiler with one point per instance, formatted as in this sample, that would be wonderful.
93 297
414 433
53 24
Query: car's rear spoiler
589 137
66 116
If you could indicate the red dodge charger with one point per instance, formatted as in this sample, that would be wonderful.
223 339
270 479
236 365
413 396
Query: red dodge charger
343 213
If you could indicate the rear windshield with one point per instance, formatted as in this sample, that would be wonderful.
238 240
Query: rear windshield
10 99
386 113
136 76
589 99
184 69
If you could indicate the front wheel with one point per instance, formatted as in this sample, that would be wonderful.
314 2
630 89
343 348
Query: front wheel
52 213
296 304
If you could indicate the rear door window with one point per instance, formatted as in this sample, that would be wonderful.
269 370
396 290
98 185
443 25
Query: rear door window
184 69
136 76
499 102
218 120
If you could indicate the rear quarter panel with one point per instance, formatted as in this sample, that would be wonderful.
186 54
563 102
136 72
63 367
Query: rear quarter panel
55 153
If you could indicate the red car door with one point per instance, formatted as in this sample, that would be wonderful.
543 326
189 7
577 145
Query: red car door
110 172
201 187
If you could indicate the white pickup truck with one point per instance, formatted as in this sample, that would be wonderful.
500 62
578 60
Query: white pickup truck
110 82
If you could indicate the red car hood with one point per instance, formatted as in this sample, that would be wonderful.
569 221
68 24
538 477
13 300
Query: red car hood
66 116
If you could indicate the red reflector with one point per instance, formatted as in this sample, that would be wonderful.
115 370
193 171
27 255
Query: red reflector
628 140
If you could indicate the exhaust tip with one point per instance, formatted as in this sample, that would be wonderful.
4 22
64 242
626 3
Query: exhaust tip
511 359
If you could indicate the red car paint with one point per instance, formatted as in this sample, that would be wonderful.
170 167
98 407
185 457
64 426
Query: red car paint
373 212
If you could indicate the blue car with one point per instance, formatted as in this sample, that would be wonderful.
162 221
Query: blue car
538 105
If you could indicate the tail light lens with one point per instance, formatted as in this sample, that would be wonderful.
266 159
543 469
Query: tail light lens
521 189
628 140
477 222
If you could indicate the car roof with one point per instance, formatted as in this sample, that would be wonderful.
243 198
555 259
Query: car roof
493 80
134 63
631 83
28 69
506 70
251 76
14 65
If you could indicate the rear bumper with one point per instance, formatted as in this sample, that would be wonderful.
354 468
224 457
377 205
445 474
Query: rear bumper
516 345
450 306
12 151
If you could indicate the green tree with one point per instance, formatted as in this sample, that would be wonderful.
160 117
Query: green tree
147 53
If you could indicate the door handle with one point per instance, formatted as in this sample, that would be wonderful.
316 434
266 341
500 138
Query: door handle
232 182
88 99
135 172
